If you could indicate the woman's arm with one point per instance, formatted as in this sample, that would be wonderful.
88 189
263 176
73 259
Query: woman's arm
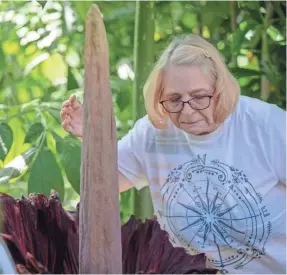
124 183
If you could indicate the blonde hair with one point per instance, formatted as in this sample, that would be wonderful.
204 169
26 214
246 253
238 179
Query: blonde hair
191 50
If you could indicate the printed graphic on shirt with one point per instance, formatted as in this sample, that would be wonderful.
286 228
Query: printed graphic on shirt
211 207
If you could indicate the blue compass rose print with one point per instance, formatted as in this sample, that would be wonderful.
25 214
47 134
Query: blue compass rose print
211 207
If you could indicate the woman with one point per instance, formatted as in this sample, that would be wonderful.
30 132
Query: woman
214 160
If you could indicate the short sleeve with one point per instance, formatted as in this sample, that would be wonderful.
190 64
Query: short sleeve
276 129
130 155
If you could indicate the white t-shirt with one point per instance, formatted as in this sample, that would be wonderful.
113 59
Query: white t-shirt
223 194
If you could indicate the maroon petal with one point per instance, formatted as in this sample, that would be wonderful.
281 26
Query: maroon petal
43 236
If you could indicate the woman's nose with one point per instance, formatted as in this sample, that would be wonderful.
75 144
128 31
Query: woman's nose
187 109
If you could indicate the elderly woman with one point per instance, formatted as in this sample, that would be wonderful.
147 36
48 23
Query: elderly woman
214 160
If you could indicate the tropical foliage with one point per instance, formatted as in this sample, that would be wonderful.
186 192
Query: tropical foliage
41 65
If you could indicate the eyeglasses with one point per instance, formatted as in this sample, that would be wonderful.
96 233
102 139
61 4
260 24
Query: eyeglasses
196 103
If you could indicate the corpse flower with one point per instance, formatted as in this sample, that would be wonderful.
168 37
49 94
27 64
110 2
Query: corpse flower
43 237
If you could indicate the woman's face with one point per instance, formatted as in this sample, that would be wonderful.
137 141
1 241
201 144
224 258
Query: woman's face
183 83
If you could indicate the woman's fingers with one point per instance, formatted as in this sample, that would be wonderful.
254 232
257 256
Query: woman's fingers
66 103
63 113
68 110
66 124
69 102
72 99
74 103
71 112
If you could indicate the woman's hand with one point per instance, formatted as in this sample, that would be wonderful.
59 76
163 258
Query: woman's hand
72 122
72 116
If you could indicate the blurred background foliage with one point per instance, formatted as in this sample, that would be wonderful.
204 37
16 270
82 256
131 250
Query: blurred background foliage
41 65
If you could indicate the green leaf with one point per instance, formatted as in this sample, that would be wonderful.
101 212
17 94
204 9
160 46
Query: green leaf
256 36
6 140
69 150
122 89
34 132
189 20
242 72
72 82
126 205
56 115
8 173
35 62
51 105
2 60
46 175
16 190
17 166
275 34
42 3
238 40
213 13
82 7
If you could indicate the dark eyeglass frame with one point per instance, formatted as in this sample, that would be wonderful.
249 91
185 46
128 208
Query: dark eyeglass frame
188 101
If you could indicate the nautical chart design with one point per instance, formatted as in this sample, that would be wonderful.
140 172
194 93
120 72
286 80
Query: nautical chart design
211 207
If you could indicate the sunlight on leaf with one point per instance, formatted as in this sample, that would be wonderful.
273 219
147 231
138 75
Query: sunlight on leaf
11 47
17 166
274 34
23 95
55 69
6 140
19 134
35 62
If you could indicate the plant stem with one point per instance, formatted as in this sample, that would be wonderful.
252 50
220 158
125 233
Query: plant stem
232 5
26 112
143 61
265 50
16 115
